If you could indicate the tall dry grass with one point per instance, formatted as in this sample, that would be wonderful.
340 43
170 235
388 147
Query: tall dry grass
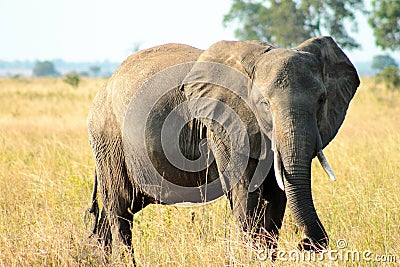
46 171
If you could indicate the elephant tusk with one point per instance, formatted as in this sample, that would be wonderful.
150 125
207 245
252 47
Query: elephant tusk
277 165
325 165
278 171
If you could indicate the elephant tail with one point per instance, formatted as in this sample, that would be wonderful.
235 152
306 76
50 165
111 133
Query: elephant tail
94 209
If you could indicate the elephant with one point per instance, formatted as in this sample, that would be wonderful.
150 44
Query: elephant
290 103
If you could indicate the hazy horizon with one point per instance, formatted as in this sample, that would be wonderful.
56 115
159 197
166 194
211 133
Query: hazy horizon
97 31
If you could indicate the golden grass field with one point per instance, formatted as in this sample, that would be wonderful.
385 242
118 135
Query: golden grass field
46 176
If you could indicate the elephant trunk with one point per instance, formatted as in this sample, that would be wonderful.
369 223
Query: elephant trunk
296 146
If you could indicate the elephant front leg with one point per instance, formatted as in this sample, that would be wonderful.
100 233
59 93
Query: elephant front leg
259 213
275 210
236 171
248 207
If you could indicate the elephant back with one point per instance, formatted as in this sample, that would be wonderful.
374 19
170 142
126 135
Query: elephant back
137 69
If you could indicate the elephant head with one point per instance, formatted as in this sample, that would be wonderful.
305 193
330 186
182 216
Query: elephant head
298 98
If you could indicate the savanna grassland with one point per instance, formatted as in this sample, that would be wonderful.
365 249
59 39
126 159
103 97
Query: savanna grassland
46 176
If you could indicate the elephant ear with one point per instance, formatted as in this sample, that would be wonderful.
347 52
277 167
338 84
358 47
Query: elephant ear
340 79
221 79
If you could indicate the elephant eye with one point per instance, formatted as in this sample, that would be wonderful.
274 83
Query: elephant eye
322 99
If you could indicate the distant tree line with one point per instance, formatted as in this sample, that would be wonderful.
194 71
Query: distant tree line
61 67
47 69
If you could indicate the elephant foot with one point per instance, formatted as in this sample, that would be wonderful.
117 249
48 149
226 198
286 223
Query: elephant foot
307 244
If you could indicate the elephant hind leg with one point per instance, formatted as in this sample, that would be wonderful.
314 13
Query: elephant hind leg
121 231
101 226
94 209
103 231
121 225
122 218
117 194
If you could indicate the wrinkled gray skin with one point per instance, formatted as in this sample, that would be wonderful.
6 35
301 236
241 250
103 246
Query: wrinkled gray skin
305 92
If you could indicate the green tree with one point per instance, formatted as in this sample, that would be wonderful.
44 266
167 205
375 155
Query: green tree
289 22
385 22
381 62
45 68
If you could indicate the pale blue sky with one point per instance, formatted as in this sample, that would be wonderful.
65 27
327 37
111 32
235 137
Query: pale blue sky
96 30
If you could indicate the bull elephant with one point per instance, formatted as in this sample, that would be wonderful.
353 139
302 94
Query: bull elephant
290 104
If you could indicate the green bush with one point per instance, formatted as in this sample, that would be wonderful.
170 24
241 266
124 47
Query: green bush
72 79
390 76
